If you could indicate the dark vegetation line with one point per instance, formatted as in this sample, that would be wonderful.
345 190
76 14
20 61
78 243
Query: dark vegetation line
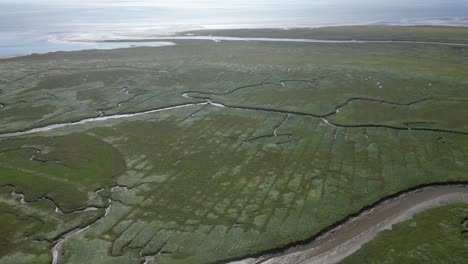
315 81
272 110
274 133
377 101
283 249
257 138
401 128
323 116
228 92
193 113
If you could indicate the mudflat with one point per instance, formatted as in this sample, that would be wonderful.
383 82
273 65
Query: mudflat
348 237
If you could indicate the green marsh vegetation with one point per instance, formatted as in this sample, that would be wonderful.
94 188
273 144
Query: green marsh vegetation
311 133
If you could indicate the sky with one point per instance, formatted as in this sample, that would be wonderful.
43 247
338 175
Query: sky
215 3
104 15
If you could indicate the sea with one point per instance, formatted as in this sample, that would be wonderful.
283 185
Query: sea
33 26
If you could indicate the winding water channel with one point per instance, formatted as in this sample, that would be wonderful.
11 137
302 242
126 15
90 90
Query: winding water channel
96 119
334 244
347 237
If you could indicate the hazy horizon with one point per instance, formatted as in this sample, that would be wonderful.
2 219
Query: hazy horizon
28 25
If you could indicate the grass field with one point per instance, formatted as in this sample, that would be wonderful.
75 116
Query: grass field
311 133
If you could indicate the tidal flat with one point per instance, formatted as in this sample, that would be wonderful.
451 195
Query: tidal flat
207 152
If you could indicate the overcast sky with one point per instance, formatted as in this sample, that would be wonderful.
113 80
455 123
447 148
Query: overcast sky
232 3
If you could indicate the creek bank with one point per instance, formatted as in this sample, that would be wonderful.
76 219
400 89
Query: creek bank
344 238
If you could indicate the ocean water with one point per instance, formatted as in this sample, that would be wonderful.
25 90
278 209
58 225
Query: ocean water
31 26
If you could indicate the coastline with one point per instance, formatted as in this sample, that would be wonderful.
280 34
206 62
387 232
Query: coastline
90 46
346 33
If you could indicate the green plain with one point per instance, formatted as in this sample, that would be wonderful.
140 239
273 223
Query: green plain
201 184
